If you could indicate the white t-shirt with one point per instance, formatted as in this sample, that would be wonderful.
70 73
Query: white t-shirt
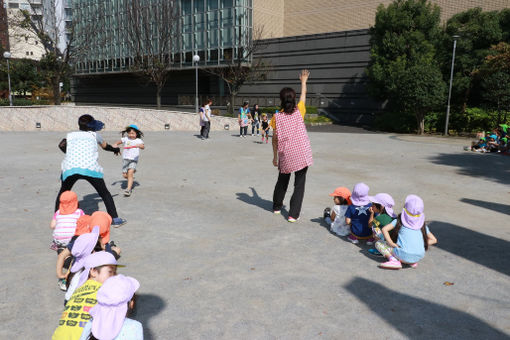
129 151
131 330
207 114
338 226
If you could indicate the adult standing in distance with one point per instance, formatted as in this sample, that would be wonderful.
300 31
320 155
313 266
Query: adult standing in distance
291 148
81 162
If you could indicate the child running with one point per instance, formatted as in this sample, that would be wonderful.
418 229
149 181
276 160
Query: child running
64 220
358 214
265 127
411 235
115 301
335 217
132 143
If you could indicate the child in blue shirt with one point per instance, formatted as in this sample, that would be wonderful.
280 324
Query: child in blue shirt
358 215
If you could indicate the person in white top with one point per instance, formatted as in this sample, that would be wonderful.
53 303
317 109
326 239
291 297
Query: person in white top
205 119
131 143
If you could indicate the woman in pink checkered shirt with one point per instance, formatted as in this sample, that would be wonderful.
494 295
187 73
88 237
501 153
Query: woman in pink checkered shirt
291 148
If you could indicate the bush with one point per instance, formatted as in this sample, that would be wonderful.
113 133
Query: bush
23 102
395 122
318 119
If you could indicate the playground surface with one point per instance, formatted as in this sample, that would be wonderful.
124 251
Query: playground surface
215 263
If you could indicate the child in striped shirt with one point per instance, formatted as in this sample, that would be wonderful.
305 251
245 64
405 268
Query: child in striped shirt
64 219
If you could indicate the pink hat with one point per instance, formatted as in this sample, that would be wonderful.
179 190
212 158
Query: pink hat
97 259
386 201
82 248
360 194
112 304
412 215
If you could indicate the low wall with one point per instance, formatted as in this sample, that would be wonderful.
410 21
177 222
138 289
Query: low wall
65 118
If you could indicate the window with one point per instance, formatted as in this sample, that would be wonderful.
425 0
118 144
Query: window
31 53
27 53
13 5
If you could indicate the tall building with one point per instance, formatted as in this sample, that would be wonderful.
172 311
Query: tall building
330 37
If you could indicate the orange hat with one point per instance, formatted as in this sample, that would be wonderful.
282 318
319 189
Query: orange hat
103 220
342 192
68 202
82 225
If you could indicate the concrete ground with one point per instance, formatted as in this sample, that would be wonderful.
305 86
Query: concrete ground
215 263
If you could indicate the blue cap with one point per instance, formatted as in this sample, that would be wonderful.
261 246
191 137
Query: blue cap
96 125
133 126
493 136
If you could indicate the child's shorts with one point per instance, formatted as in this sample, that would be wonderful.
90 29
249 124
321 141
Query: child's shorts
128 164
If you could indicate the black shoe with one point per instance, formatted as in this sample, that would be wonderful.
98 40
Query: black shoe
327 213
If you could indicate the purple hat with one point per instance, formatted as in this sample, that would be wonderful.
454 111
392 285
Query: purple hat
412 214
386 201
82 248
97 259
112 304
360 194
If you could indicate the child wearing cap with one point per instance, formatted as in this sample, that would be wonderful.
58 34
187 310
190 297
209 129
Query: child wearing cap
409 239
381 214
335 217
132 143
115 301
98 268
358 214
480 146
64 220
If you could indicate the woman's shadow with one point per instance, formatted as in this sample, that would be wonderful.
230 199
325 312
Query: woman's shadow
256 200
123 184
147 306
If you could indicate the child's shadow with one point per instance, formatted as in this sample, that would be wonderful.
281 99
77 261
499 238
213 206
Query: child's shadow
148 305
90 203
123 184
256 200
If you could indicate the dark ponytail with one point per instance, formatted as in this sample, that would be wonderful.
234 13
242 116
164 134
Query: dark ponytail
394 232
288 99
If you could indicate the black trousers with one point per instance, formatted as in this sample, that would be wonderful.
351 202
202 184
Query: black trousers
204 130
243 130
98 184
297 196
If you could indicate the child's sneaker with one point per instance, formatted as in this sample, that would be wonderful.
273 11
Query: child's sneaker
117 222
62 284
370 241
414 265
374 252
266 141
391 264
353 239
277 212
326 213
127 193
292 219
54 246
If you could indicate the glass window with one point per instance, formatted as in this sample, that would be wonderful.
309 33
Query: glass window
212 38
200 22
198 6
226 37
186 7
212 4
227 17
227 3
212 20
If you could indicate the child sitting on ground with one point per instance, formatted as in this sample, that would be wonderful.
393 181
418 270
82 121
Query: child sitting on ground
98 268
115 301
357 215
410 237
381 214
335 217
64 220
480 146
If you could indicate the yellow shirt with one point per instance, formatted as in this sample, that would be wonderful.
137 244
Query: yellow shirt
76 312
302 109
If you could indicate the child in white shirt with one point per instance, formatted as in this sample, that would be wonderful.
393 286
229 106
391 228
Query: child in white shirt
335 217
130 154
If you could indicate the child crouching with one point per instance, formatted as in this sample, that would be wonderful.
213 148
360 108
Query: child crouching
335 217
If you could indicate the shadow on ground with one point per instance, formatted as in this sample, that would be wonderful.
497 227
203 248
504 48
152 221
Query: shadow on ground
483 249
90 203
147 306
338 128
256 200
416 318
502 208
494 167
123 184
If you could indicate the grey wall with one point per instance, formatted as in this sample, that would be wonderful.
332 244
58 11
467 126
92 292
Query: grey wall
337 84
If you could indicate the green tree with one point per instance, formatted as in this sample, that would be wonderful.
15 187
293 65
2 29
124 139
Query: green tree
24 76
403 69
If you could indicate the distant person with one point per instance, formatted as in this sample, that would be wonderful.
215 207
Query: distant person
115 302
132 143
265 128
291 148
335 217
81 162
205 119
358 215
255 120
244 117
409 239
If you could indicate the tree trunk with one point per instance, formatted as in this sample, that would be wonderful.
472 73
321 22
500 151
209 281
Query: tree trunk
232 99
420 120
55 84
158 96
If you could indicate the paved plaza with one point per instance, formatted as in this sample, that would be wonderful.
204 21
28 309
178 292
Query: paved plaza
214 262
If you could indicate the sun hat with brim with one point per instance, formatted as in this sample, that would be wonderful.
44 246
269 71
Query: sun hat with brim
82 225
386 201
68 203
342 192
112 304
82 248
95 125
97 259
493 137
133 126
360 194
412 215
103 220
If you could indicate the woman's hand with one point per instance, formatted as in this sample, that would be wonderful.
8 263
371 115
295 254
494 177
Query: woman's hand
303 76
275 161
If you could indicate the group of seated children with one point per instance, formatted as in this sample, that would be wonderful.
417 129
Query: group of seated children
400 239
492 141
97 300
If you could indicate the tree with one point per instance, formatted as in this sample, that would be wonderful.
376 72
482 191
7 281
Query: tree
242 67
402 68
152 33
